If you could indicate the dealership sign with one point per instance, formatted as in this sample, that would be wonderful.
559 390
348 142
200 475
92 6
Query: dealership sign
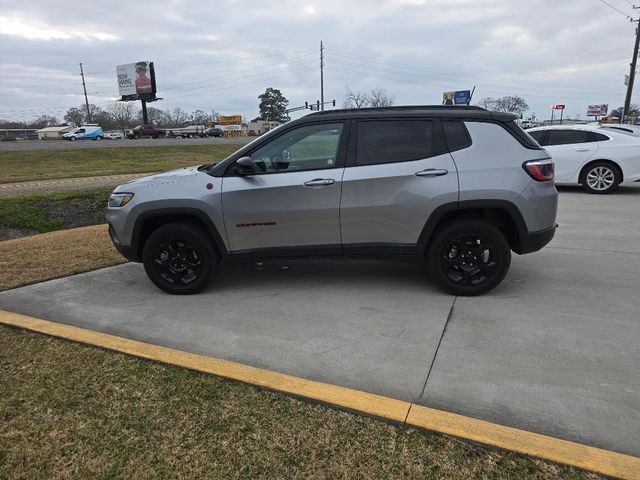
230 119
597 110
557 106
459 97
136 81
231 128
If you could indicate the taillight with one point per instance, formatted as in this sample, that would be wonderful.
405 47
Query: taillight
539 170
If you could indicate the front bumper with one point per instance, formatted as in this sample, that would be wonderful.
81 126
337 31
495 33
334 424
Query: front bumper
130 253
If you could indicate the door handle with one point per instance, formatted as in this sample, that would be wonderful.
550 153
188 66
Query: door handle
583 150
432 172
319 182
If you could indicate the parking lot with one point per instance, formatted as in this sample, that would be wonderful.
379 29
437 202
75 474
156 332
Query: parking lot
142 142
554 349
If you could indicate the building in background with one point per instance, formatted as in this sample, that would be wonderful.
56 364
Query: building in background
262 126
49 133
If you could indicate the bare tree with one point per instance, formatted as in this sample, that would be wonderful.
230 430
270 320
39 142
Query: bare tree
511 104
176 118
75 116
200 117
44 121
122 114
355 99
379 98
488 103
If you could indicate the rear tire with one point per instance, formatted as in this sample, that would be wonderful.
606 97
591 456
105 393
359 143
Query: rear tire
179 258
469 257
600 178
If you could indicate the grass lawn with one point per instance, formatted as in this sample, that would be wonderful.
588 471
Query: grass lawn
87 162
74 411
53 255
46 212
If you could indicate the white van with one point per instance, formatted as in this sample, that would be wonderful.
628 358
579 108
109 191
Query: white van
91 131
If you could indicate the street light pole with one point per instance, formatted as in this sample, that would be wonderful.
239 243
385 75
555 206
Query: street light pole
321 76
632 75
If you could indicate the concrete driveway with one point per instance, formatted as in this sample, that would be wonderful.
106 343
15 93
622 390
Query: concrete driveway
554 350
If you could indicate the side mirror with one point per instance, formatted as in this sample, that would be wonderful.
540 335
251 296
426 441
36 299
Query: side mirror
245 166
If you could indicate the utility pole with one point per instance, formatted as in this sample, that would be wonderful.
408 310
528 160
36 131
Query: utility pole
632 73
322 76
86 100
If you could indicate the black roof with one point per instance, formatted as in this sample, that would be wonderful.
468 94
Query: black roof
438 111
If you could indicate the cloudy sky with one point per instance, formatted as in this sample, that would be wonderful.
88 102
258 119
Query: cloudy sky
221 55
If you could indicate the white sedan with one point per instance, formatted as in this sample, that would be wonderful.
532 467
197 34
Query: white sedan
598 159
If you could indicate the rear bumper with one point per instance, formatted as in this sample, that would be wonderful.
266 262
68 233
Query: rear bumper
533 241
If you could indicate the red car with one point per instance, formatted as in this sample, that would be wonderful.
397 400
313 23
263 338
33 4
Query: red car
147 131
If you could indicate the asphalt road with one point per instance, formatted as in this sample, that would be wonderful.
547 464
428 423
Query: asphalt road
143 142
555 349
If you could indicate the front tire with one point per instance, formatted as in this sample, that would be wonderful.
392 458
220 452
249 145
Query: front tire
179 258
601 178
469 257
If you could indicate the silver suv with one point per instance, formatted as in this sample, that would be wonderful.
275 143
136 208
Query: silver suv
459 187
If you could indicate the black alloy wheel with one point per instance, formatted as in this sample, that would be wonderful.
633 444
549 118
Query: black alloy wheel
469 257
179 258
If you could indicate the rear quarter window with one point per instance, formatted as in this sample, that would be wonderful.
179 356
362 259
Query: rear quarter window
456 134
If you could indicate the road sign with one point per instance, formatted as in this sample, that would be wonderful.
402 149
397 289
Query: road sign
597 110
557 106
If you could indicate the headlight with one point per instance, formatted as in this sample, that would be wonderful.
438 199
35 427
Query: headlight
119 199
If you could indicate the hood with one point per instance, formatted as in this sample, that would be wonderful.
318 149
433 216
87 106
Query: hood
173 176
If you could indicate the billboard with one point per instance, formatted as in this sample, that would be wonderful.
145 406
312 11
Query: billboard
136 81
230 119
459 97
597 110
557 106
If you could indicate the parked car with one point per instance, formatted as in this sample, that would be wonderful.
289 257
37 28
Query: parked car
214 132
599 159
147 131
84 132
113 135
458 186
623 127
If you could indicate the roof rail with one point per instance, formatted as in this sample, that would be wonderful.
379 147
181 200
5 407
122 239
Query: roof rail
400 107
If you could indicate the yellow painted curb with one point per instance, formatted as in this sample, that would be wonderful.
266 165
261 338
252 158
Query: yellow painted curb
562 451
602 461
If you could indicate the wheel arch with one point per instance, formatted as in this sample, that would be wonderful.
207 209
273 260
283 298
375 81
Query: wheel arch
583 170
147 222
500 213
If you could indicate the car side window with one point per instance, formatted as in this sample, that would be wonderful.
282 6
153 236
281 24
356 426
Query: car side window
566 137
539 137
597 137
313 147
389 141
456 134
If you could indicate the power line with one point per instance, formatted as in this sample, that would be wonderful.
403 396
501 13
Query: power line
616 9
366 62
368 66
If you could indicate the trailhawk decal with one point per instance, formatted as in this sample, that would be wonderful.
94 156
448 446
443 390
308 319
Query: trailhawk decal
256 224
